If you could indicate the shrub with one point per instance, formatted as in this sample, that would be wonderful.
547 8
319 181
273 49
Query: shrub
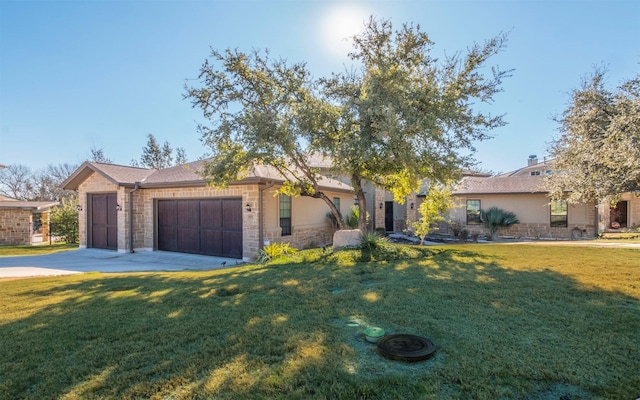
352 219
496 218
273 251
64 221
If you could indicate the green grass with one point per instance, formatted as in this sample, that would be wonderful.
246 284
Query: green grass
12 251
509 321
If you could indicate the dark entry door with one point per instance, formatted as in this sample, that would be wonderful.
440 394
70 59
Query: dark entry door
206 226
388 216
104 221
618 215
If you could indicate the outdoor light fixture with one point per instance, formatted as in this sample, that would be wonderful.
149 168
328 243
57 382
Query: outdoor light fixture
118 207
79 207
248 207
381 205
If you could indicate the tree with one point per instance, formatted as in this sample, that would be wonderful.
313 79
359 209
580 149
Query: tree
438 200
47 182
597 155
156 157
261 112
496 218
16 181
64 220
97 155
403 116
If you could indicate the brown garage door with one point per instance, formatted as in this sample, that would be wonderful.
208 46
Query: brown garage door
206 226
104 221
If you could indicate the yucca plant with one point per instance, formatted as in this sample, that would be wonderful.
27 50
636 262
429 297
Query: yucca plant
496 218
273 251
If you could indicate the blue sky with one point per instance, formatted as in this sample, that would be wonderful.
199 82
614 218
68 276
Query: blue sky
81 74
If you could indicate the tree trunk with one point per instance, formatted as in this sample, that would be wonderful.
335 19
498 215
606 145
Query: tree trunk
334 210
356 183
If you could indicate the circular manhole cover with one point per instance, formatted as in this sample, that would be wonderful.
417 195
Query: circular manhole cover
406 347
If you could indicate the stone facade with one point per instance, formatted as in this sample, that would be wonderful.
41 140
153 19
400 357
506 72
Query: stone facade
633 213
15 227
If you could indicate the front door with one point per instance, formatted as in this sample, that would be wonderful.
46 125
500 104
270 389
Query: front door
618 215
388 216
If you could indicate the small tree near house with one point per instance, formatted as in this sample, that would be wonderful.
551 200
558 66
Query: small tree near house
433 209
496 218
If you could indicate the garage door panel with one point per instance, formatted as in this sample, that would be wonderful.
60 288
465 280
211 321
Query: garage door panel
210 213
232 214
188 240
167 213
211 242
187 213
167 239
232 244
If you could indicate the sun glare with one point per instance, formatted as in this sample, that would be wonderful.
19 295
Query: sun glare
339 24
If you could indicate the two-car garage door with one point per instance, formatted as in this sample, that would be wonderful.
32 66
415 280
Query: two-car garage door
202 226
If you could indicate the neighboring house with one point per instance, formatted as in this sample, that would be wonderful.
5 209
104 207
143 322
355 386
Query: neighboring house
173 209
522 192
24 222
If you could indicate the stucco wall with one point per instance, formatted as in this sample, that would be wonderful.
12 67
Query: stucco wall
310 226
633 213
533 211
15 227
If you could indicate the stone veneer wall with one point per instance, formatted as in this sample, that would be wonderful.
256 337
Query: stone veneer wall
15 227
538 231
303 237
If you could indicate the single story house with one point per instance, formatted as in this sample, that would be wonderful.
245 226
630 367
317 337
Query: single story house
24 222
522 192
174 209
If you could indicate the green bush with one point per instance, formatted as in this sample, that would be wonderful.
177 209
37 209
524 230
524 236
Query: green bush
496 218
275 250
64 221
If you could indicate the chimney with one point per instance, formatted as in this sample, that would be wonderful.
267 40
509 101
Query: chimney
533 160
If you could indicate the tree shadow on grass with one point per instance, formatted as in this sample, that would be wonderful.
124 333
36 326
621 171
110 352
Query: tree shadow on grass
294 330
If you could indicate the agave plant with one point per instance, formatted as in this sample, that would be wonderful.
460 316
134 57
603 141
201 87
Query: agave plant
496 218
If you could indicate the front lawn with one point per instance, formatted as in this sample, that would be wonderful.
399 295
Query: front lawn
509 321
12 251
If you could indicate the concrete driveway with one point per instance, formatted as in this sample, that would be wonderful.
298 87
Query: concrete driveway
94 260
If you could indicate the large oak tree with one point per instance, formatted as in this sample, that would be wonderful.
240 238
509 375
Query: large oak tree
597 156
398 117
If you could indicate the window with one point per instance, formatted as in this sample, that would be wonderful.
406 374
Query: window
473 212
336 202
559 213
285 215
535 173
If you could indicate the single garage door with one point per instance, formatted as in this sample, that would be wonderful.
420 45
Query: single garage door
205 226
104 221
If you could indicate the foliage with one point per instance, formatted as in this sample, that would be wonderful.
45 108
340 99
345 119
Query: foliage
596 156
401 117
274 250
353 218
64 221
156 157
405 116
370 241
21 183
97 155
294 331
496 218
438 200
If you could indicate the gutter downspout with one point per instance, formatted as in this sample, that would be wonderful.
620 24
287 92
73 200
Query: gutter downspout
136 187
261 219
